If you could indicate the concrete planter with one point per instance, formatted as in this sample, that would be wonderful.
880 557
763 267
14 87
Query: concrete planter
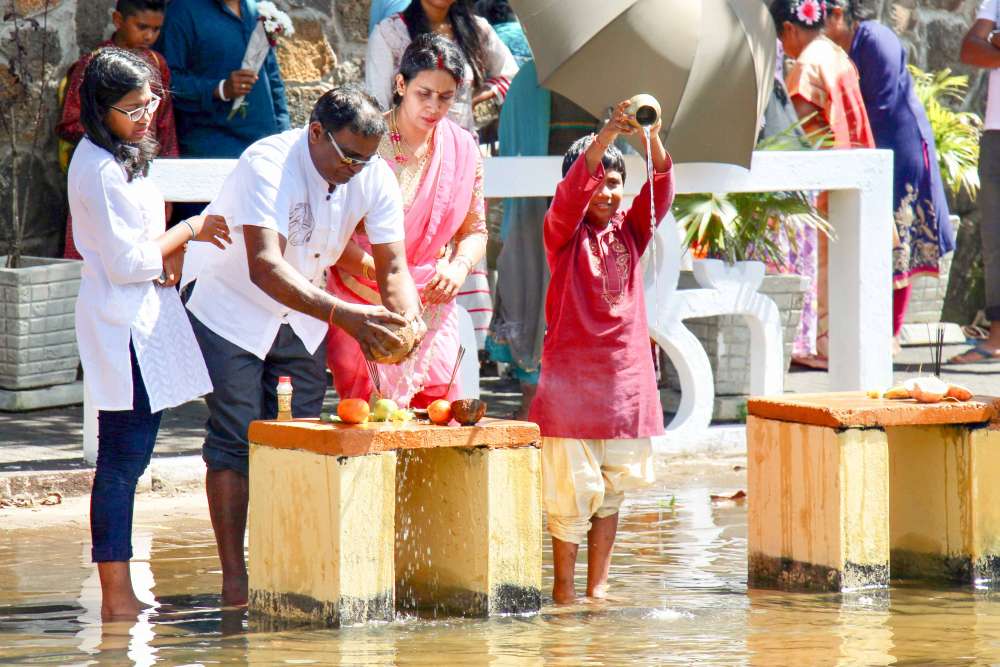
37 334
726 338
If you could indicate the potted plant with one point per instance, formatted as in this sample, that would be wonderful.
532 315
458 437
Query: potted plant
38 341
728 234
956 136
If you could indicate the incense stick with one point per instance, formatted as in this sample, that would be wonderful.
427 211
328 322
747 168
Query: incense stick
454 371
938 351
376 379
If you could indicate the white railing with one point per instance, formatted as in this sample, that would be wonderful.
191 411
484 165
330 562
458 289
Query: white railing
860 187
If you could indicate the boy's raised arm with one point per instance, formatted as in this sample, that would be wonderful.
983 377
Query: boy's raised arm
570 203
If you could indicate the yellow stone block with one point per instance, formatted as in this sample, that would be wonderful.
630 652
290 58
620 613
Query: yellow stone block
818 506
321 536
468 530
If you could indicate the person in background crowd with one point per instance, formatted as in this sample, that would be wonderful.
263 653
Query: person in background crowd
490 67
204 42
259 310
826 93
138 353
900 124
508 28
137 25
440 173
383 9
533 121
597 404
981 48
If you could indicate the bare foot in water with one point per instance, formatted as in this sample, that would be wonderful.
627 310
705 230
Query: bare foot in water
563 594
122 608
234 592
598 592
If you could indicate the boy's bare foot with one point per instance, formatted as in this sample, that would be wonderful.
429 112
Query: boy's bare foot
118 600
598 592
123 609
563 594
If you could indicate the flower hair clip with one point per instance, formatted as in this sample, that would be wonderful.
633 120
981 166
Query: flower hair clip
810 12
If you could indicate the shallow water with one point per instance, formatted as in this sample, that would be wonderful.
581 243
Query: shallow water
679 581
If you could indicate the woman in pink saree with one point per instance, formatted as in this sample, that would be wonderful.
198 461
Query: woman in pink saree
440 175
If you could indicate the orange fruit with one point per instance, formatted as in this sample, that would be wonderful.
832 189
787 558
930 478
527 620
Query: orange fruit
439 412
353 411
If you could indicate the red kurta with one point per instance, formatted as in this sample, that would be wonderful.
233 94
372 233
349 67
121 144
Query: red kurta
597 379
70 129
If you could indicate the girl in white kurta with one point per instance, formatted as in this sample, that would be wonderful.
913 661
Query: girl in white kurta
138 352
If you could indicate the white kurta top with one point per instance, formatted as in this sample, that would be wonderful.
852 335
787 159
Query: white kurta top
276 185
115 227
385 49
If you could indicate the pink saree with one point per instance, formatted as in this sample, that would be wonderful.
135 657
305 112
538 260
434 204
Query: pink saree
438 208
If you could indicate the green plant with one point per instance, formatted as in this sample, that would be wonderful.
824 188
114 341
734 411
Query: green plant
756 225
956 133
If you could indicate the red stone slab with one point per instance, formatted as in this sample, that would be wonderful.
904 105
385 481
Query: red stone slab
855 409
358 439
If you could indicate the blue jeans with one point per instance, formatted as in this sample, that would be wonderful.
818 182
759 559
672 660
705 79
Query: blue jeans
125 441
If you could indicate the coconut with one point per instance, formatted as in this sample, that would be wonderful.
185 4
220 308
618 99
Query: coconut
407 335
929 390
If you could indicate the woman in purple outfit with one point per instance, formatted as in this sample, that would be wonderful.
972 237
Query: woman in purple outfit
900 124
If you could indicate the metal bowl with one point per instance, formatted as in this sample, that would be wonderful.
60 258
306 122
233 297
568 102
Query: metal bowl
468 411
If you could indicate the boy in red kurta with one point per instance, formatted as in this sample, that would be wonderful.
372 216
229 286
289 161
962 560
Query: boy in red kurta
137 25
597 403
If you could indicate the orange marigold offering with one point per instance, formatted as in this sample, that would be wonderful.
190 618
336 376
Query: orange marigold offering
439 412
353 411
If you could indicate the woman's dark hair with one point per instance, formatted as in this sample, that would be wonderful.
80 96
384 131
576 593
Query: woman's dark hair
613 159
110 75
496 11
430 52
349 106
462 17
793 11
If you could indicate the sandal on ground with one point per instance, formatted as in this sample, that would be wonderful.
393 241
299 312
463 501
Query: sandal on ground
982 354
975 332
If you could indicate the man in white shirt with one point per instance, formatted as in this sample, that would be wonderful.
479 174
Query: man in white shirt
259 308
981 48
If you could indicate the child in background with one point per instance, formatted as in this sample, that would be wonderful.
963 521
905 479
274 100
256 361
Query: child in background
597 403
137 25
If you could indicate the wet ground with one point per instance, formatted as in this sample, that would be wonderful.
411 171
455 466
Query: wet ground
679 587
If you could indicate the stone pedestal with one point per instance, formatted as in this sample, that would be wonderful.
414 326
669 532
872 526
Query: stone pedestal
845 490
318 528
468 531
347 521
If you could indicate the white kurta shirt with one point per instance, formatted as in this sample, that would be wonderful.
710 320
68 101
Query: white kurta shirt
276 185
115 227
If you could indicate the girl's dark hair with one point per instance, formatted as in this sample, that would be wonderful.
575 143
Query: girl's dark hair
496 11
110 75
462 17
788 10
613 159
430 52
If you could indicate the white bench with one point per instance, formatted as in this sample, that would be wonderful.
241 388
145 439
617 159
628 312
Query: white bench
860 186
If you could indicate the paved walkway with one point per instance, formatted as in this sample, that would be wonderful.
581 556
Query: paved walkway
49 440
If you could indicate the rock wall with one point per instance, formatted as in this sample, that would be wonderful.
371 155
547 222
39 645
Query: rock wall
328 49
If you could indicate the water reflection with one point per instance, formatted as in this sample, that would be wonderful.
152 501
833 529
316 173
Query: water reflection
679 598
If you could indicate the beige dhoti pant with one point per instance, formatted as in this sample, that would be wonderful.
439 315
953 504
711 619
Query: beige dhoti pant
582 479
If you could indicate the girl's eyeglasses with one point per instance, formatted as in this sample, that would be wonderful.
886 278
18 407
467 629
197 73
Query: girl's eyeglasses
350 161
136 114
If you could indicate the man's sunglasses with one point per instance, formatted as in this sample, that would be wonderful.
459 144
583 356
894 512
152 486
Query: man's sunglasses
350 161
136 114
